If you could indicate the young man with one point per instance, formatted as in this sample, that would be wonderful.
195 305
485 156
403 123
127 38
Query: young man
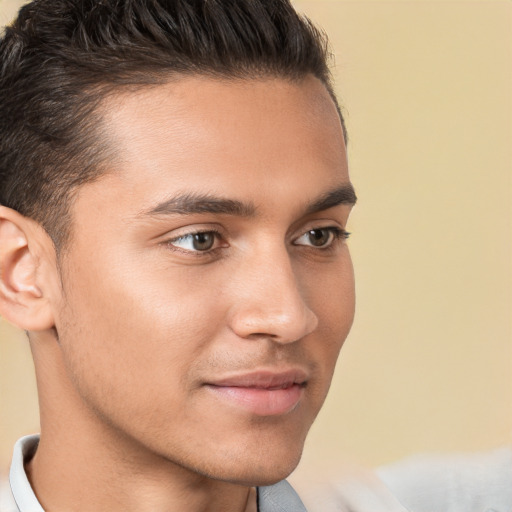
175 194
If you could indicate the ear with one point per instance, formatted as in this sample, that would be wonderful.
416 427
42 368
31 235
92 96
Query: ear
24 246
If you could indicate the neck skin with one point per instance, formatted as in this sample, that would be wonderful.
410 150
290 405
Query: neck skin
81 466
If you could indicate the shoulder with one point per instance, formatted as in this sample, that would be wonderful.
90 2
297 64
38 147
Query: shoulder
465 482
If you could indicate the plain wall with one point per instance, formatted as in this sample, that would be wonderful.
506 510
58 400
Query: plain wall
426 88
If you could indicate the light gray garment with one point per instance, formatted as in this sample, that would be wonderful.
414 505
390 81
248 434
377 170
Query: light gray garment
465 482
275 498
279 497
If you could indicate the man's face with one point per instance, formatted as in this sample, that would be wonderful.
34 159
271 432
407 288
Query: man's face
207 288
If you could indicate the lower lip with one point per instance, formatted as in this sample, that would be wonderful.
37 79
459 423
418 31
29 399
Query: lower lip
262 402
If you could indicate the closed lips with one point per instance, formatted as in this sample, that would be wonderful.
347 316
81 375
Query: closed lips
261 393
264 379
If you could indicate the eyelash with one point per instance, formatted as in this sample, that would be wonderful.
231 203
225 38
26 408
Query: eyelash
337 233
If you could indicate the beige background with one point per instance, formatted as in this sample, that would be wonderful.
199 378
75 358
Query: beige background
427 90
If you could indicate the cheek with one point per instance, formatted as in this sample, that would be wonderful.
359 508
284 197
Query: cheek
133 332
331 294
332 298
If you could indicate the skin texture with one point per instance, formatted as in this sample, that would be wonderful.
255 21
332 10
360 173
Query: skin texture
144 320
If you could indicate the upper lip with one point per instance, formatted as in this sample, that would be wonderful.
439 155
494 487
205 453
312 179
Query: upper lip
263 379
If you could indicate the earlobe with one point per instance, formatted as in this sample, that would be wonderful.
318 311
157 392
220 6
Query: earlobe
22 299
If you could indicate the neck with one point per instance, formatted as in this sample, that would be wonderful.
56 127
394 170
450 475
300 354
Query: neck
77 475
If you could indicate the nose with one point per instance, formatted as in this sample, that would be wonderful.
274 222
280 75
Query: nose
270 302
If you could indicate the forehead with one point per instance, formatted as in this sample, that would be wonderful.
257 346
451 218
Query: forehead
233 137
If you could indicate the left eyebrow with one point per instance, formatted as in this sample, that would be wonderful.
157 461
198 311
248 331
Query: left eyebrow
341 195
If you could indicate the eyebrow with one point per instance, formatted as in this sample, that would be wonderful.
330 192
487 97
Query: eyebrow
191 203
341 195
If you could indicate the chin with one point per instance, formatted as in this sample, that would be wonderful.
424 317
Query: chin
266 467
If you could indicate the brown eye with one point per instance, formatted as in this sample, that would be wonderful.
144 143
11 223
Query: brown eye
203 241
320 237
196 242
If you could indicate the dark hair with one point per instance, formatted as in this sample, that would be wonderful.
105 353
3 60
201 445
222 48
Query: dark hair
60 58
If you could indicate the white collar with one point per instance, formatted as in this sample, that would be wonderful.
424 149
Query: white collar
21 489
